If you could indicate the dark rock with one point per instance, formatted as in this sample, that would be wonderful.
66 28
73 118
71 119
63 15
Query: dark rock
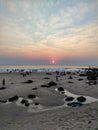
15 98
80 79
60 89
48 73
34 88
68 72
70 77
44 86
2 88
92 82
81 99
75 104
36 103
52 83
29 81
62 92
69 99
89 122
46 78
31 96
3 101
83 75
27 104
70 82
91 77
24 101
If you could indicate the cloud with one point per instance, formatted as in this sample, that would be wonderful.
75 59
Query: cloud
58 29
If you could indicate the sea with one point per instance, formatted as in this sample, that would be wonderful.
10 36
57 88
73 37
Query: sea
41 68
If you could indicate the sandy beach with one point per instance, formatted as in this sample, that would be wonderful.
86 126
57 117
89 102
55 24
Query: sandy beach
44 107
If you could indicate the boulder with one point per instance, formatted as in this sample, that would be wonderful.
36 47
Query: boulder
69 99
75 104
52 83
3 101
15 98
24 101
27 104
81 99
60 89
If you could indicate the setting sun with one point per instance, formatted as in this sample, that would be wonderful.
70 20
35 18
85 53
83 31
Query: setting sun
53 61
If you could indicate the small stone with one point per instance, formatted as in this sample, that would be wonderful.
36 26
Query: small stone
31 96
89 122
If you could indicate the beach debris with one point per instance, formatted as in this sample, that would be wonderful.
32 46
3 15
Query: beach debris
52 83
28 81
31 96
14 98
81 99
92 75
75 104
60 89
69 99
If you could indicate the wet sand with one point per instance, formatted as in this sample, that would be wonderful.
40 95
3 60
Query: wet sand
50 113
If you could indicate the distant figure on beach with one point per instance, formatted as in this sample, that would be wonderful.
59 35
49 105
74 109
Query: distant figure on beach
57 78
3 82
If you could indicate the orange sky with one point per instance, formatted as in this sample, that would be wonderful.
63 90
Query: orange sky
49 30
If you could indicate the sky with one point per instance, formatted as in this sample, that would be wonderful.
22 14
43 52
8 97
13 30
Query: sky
40 32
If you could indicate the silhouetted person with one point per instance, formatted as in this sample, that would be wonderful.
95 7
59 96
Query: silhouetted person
3 82
57 78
